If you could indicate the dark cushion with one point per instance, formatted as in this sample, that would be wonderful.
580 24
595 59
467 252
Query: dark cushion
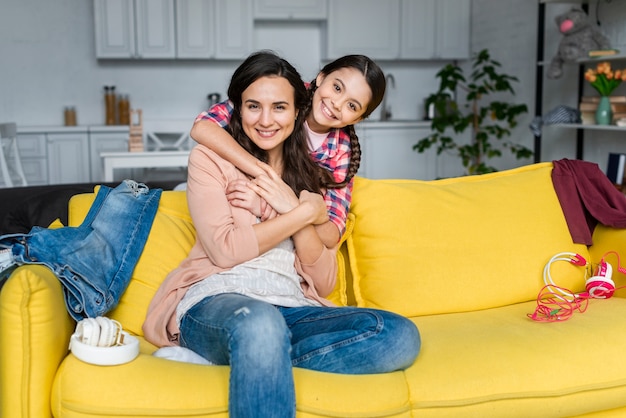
21 208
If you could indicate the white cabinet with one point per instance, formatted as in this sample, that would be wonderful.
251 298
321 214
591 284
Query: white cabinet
100 142
418 29
155 28
387 151
368 27
213 29
134 28
168 29
399 29
195 28
233 29
115 28
34 156
68 157
437 29
288 9
452 35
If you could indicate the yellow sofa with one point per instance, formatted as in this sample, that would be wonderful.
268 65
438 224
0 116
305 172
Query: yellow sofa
461 257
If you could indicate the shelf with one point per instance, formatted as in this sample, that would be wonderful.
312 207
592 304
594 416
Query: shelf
589 127
564 1
615 57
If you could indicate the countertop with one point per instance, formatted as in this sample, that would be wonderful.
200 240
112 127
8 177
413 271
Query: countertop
42 129
396 123
375 124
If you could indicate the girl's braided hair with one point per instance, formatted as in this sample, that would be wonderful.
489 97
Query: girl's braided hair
375 79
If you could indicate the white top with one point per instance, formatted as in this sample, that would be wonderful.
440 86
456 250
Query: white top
314 140
271 277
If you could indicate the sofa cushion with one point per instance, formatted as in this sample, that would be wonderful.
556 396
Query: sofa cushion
459 244
499 363
162 387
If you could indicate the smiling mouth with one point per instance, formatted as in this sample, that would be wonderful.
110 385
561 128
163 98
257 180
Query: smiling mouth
267 134
326 111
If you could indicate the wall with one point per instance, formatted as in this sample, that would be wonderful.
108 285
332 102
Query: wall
48 62
50 48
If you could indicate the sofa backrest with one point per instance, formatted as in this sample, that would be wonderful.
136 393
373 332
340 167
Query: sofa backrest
459 244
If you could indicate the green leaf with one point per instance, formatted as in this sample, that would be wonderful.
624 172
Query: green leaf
489 120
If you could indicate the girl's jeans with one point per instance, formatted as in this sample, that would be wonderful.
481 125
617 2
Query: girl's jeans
261 342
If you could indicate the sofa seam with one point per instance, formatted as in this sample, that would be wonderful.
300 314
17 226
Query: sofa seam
26 343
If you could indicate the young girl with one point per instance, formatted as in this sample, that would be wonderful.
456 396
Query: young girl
345 92
251 292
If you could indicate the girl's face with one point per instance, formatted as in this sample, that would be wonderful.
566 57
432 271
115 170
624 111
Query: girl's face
341 99
268 113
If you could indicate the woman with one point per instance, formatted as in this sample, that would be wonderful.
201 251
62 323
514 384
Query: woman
251 293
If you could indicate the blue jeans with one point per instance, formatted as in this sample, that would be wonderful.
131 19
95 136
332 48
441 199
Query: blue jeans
95 260
261 342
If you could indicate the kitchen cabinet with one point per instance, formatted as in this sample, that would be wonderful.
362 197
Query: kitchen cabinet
59 154
213 29
404 29
103 141
134 28
387 151
34 157
233 29
452 35
195 26
68 157
368 27
290 10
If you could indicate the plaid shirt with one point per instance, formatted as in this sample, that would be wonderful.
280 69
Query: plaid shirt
333 155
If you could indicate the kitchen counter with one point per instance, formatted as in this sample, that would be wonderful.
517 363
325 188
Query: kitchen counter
395 123
44 129
182 125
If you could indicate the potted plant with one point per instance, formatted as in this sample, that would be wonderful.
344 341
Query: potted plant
490 120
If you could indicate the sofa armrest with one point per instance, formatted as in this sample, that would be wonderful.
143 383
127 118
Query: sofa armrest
35 331
606 240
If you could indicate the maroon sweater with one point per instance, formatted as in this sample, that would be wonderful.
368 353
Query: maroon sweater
587 197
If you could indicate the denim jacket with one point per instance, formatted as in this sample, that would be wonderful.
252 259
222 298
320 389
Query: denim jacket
95 260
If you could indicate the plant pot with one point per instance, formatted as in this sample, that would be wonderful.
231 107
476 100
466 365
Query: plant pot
604 114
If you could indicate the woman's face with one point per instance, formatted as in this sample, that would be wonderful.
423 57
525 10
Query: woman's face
268 112
341 99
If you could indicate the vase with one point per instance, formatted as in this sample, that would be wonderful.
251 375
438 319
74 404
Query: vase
604 114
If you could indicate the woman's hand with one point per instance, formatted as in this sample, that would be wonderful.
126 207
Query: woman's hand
274 190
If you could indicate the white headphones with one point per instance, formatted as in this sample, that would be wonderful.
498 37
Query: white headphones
99 332
102 341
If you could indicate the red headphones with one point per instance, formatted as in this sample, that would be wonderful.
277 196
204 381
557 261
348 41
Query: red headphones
555 303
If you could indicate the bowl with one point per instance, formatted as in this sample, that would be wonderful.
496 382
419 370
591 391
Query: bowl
106 356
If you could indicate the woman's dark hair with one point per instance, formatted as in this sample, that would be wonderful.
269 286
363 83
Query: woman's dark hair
375 79
299 170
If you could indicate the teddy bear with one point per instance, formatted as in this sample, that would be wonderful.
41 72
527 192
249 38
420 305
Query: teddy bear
579 37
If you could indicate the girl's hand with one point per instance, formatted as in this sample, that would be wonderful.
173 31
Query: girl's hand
317 204
240 195
267 211
274 190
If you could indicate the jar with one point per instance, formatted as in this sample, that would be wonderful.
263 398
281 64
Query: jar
69 115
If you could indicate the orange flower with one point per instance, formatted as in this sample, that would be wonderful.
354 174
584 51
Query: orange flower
603 79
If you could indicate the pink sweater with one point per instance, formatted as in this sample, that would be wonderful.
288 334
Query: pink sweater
225 238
